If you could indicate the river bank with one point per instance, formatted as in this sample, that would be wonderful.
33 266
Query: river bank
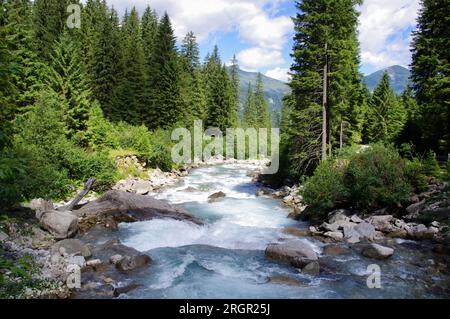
228 244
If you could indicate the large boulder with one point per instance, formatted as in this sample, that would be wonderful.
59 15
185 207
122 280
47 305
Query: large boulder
382 223
365 230
62 224
71 247
214 197
128 207
40 206
297 253
125 259
377 251
338 215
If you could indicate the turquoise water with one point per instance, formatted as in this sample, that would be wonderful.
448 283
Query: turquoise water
225 257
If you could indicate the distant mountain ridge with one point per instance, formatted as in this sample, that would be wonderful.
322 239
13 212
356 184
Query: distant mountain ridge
275 90
400 78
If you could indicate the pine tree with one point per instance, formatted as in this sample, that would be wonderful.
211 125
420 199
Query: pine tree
67 77
250 115
218 93
27 77
107 64
411 132
386 116
50 17
130 98
6 87
236 89
191 81
149 30
190 51
325 47
261 104
164 80
431 74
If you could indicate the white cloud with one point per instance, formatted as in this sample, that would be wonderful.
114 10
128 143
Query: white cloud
279 74
382 31
255 21
255 58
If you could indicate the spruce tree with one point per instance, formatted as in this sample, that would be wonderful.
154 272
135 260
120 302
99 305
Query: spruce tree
67 77
261 104
191 81
130 97
431 74
164 80
236 88
218 93
6 87
250 115
386 116
107 64
325 47
190 51
50 17
28 71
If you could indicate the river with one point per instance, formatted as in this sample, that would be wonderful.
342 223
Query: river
225 257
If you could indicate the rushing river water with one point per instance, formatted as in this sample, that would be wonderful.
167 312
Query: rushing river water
225 257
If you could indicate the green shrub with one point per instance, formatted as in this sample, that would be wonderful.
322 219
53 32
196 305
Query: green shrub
430 165
161 150
25 175
375 178
364 178
100 133
326 188
415 176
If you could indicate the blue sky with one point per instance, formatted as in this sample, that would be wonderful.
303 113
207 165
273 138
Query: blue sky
260 32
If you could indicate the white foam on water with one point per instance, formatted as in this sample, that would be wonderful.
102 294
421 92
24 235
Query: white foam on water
166 278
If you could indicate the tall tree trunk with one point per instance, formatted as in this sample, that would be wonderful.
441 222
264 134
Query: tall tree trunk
325 106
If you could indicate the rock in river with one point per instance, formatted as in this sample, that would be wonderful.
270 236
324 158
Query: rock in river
377 251
60 224
127 207
296 253
214 197
71 247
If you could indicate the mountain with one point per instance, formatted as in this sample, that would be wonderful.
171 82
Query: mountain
274 90
398 74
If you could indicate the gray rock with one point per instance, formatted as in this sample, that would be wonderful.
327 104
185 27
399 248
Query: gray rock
214 197
125 259
3 236
128 207
337 235
352 236
94 263
77 260
337 215
296 253
436 224
40 206
41 239
115 259
377 251
416 208
71 247
313 268
356 219
330 227
382 223
133 263
60 224
366 230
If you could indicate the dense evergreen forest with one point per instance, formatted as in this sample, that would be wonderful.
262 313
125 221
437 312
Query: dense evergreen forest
74 98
